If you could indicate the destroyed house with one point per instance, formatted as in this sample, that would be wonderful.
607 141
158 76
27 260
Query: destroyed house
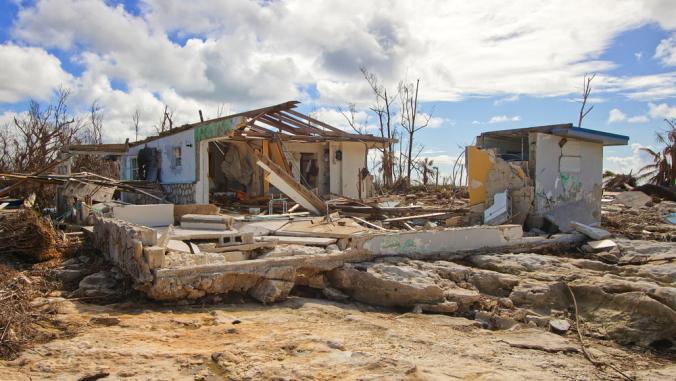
540 176
242 156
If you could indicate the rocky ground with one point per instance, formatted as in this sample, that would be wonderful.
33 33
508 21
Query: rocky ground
489 316
307 339
482 317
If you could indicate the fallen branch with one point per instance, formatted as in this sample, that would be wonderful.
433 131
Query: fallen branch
587 355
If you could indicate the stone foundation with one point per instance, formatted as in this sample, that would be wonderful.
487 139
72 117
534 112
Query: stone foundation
173 275
180 193
130 247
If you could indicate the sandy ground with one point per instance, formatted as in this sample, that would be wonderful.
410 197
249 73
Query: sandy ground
308 339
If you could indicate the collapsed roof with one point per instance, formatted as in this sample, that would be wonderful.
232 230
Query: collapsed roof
278 121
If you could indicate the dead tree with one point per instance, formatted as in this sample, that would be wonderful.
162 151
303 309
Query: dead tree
135 121
166 121
350 116
408 95
94 131
383 110
586 90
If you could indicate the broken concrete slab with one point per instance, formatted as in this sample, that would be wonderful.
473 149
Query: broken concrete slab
177 245
601 245
207 221
182 234
287 240
182 209
633 199
151 215
591 232
442 241
260 228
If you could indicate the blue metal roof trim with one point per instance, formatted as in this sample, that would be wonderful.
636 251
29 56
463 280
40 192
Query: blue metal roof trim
607 138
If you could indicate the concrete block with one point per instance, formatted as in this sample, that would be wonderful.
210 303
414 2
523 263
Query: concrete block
235 256
235 239
154 256
146 215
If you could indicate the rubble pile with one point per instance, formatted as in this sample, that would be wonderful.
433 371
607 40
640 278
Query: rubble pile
644 222
23 232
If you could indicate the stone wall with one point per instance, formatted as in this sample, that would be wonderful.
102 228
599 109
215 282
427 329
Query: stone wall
180 193
130 247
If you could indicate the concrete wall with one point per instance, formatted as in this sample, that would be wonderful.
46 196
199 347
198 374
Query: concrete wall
343 173
169 173
568 179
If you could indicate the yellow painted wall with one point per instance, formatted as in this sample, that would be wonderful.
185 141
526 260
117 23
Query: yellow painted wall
479 163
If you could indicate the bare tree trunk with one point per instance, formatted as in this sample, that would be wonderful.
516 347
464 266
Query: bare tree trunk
586 90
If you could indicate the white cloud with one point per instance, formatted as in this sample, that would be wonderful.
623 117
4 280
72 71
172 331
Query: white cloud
250 52
662 111
512 98
638 119
641 88
28 72
666 51
616 115
631 163
246 54
638 56
476 122
504 118
435 121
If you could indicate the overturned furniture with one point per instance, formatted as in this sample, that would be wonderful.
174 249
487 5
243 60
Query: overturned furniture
552 175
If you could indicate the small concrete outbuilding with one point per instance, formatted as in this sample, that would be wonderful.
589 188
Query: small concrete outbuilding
552 175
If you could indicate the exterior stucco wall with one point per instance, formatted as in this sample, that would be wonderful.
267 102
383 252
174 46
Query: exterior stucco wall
169 174
568 179
344 180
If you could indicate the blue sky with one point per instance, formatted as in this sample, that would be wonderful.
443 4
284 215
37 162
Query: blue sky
486 66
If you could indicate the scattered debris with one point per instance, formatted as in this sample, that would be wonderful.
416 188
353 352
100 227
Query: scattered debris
633 199
591 232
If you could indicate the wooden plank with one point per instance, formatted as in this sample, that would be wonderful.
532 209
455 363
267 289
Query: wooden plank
318 227
409 227
368 223
414 217
296 240
244 247
266 153
289 186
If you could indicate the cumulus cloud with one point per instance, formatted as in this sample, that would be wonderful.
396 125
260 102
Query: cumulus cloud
630 163
28 72
666 51
662 111
250 52
616 115
245 54
504 118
